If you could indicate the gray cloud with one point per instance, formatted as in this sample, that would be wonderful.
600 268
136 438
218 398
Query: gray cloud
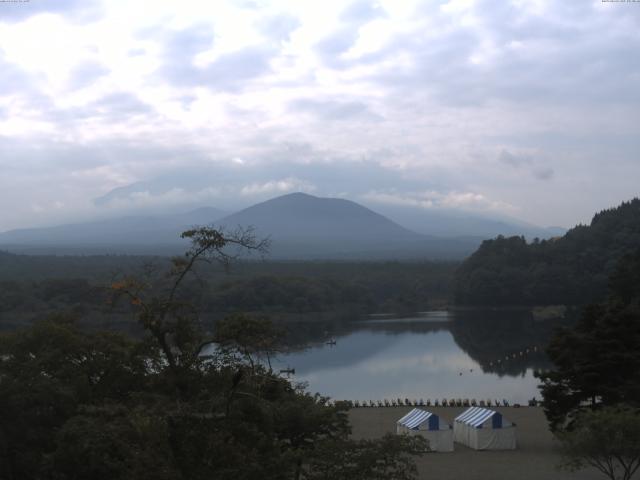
183 45
523 161
119 104
362 11
14 80
117 107
228 72
342 38
278 27
332 110
475 107
515 160
543 173
85 74
76 10
529 58
331 47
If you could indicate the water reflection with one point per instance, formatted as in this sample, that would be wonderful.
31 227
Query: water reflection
432 355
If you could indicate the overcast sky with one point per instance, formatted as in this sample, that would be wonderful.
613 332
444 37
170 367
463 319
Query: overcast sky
524 108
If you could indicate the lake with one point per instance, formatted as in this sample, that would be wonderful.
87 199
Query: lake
468 354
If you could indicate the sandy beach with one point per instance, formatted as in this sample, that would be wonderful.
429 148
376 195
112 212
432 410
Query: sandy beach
535 458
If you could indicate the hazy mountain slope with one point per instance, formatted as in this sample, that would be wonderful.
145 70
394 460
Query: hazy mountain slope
304 226
303 216
116 232
454 223
301 226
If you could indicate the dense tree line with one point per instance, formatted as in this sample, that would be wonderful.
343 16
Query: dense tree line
597 361
592 395
570 270
261 287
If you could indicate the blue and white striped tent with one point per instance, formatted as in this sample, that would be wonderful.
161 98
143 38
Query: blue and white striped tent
428 425
484 429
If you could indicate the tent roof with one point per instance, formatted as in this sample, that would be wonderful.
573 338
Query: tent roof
475 416
414 418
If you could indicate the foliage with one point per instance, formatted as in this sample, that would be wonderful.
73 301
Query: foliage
597 362
607 439
571 270
388 458
34 287
76 404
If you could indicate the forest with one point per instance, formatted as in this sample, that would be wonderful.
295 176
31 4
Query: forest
570 270
35 286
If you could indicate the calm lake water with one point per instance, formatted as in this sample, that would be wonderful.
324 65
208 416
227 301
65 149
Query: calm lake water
471 354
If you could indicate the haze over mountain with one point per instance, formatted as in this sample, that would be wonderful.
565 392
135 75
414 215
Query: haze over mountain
428 220
131 234
300 226
454 223
304 226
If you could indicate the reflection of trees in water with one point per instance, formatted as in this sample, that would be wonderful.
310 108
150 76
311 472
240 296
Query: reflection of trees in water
486 336
304 331
499 340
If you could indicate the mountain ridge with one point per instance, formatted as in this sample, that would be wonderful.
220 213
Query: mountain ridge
301 226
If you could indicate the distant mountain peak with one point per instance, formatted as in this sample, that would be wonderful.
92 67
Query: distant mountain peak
300 225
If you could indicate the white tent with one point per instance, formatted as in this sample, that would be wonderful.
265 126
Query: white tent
484 429
428 425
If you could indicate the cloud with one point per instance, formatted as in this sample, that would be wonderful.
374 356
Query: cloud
116 110
118 104
278 27
333 110
86 73
332 46
362 11
528 162
515 160
543 173
14 80
182 45
172 198
439 200
444 103
78 10
230 70
277 187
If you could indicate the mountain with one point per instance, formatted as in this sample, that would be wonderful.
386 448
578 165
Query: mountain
133 234
303 226
455 223
572 269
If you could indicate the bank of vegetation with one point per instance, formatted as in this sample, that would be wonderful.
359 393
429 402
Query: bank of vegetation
570 270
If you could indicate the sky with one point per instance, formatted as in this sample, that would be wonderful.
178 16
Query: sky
523 108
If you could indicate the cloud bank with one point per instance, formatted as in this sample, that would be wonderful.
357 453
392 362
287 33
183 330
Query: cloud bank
527 108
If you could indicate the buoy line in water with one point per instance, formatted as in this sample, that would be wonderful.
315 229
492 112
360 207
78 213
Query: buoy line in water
453 402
